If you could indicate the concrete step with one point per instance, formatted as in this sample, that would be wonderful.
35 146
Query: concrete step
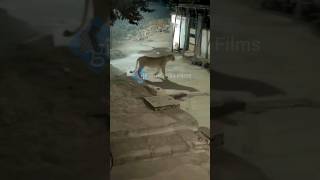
145 122
126 150
187 166
136 133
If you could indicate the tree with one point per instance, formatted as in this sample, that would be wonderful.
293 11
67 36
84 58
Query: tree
129 10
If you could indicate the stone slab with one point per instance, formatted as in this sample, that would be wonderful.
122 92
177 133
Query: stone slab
160 102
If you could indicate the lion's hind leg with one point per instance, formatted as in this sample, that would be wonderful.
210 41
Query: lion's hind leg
156 74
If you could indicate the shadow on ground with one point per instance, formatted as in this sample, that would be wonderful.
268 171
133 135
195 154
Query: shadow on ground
167 84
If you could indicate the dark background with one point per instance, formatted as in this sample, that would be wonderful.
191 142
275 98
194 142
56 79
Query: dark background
265 92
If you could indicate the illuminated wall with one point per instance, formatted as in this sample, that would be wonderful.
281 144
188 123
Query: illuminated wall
178 22
205 43
178 35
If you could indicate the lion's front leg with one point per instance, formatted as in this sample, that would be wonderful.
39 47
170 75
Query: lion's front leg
164 72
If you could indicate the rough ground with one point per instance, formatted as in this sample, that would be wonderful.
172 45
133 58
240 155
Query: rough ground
129 112
143 138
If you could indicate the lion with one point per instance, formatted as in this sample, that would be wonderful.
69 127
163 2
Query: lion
153 62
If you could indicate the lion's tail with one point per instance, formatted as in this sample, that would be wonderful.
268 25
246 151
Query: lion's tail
136 68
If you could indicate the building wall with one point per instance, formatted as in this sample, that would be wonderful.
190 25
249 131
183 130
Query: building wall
179 35
180 31
205 43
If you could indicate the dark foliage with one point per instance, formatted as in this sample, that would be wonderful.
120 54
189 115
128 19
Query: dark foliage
130 10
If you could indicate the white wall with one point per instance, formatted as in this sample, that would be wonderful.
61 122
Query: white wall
205 43
177 21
